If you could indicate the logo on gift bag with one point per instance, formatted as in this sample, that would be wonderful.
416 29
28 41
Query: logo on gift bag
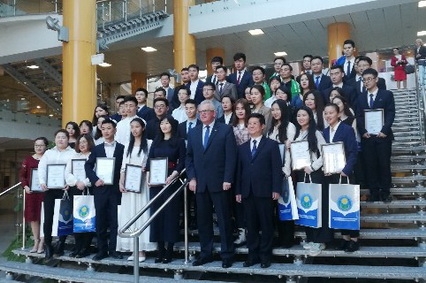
84 211
344 203
306 201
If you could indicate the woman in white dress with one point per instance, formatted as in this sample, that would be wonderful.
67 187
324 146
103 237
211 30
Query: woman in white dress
136 153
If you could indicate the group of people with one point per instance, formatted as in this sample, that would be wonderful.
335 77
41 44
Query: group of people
226 133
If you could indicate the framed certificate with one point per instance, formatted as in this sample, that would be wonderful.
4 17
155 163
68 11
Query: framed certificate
158 170
134 178
374 120
105 169
56 176
281 146
77 169
34 182
300 155
333 156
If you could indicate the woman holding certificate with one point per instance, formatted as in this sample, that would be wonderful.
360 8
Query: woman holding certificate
340 167
167 155
133 185
33 194
75 177
311 165
282 131
51 175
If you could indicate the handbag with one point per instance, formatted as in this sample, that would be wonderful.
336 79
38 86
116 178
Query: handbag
84 213
344 206
287 206
409 69
309 204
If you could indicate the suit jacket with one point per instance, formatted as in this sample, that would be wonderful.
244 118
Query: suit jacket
116 117
182 129
209 79
245 82
341 61
260 175
325 83
350 95
199 97
381 84
228 89
385 101
422 53
146 113
345 134
222 119
99 151
214 165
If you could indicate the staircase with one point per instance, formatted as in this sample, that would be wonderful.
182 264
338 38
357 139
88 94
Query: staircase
393 235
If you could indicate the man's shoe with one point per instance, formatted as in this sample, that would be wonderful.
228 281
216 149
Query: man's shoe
241 240
265 264
100 256
342 245
226 263
48 252
116 255
202 260
82 253
74 253
352 247
251 262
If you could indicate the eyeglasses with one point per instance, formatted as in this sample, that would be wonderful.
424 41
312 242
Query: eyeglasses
39 145
368 80
205 111
160 106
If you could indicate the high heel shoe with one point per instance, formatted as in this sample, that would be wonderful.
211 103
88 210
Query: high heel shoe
36 245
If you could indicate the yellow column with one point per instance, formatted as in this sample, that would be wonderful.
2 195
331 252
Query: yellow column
337 34
184 43
79 76
138 80
210 53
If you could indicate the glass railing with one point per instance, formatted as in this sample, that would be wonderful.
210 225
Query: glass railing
11 8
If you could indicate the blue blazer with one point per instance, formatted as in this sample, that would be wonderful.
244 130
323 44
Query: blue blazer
345 134
215 164
325 83
261 174
381 84
146 113
99 151
245 82
182 129
384 100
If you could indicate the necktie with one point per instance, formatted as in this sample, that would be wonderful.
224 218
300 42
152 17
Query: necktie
189 126
214 79
239 77
254 149
371 100
361 84
348 70
206 137
317 82
220 88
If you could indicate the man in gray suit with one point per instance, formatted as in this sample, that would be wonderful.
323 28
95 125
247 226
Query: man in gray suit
222 86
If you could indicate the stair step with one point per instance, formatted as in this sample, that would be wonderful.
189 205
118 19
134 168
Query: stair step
408 138
401 190
408 147
410 158
381 234
398 167
407 180
394 218
406 133
394 204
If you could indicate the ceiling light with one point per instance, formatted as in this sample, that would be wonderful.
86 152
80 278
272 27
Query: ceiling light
22 98
148 49
33 67
105 65
280 53
50 115
421 33
422 4
38 106
257 31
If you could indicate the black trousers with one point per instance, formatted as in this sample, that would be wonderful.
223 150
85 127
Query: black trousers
205 202
259 214
106 202
49 209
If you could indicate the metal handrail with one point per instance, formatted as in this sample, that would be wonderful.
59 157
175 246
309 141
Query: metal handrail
122 232
421 95
9 189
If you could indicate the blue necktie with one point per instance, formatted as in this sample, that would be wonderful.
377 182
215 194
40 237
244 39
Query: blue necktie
206 137
317 82
220 88
371 101
254 149
189 127
348 70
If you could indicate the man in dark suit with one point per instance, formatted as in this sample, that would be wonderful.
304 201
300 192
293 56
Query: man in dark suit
195 85
117 117
161 107
336 75
224 88
216 61
347 61
143 111
191 122
165 83
184 76
321 81
377 146
242 78
107 197
363 63
210 164
278 62
259 184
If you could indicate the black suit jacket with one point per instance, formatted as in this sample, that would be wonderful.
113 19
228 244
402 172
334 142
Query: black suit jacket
199 97
325 83
215 164
422 53
350 95
381 84
260 175
222 119
245 82
385 101
146 113
99 151
182 129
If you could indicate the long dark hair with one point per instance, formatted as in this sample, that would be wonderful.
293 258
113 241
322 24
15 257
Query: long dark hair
312 128
104 107
246 106
346 108
284 120
144 142
311 85
75 128
160 135
319 107
98 133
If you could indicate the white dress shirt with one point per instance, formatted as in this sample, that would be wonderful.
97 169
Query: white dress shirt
333 131
179 114
53 156
110 148
193 88
123 130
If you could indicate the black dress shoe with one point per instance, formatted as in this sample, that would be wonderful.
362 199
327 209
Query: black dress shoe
74 253
48 252
352 247
385 197
265 264
342 245
82 253
251 262
100 256
116 255
226 263
202 260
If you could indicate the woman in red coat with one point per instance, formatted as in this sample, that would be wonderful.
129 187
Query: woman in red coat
33 199
399 62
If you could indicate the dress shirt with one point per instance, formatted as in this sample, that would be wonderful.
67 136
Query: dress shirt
140 106
210 130
333 131
227 118
193 88
345 66
258 139
270 100
374 93
110 148
339 85
240 74
123 130
53 156
179 114
214 79
319 79
188 126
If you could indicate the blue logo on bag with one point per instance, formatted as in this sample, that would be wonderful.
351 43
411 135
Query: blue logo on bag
84 211
306 201
344 203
